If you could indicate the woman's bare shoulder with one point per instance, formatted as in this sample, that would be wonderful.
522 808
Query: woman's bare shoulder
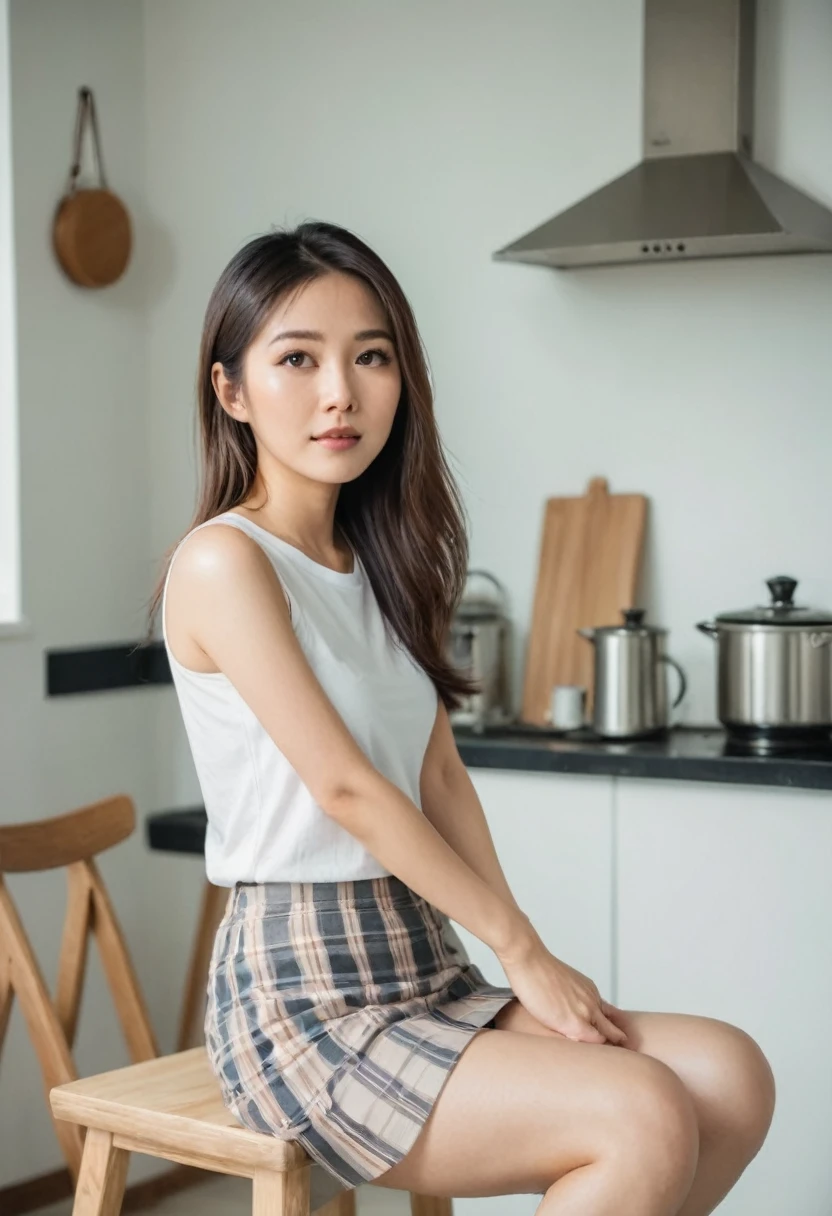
212 565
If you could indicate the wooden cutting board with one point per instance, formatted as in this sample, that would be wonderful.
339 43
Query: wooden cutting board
590 560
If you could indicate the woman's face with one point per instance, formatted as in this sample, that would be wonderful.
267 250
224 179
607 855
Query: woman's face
325 358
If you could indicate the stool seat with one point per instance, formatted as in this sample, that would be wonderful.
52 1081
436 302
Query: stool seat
171 1106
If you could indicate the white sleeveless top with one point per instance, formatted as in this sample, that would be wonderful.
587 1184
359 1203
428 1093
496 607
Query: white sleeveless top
263 823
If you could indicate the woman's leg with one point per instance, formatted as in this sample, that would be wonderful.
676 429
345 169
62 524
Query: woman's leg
726 1074
597 1130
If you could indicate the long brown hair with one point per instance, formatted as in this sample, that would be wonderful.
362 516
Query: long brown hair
404 515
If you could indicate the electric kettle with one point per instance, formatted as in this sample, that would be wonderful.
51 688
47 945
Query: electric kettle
479 645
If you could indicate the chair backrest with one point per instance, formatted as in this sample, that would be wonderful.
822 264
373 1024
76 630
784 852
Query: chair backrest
73 841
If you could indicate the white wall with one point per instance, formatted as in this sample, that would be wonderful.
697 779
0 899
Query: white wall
442 132
84 477
9 455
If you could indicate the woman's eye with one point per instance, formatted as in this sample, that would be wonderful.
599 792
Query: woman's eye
294 354
382 354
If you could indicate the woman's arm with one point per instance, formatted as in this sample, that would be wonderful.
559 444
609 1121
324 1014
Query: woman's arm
225 593
452 805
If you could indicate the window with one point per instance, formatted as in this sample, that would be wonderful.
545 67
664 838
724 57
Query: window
10 606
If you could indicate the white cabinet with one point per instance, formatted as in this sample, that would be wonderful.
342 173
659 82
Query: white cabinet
724 908
695 898
553 835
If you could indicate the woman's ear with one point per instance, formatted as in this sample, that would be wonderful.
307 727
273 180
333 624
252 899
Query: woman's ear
229 394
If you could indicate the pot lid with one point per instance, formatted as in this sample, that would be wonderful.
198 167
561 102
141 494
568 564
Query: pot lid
633 623
781 611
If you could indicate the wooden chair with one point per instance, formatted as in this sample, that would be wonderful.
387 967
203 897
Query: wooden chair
165 1106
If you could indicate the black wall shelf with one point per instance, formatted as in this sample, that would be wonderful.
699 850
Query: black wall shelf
104 668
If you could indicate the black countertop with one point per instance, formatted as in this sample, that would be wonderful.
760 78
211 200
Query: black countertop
686 754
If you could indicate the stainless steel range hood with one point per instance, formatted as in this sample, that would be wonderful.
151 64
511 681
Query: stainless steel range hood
697 192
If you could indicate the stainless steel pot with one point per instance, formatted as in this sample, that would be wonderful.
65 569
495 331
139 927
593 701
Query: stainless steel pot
630 698
774 670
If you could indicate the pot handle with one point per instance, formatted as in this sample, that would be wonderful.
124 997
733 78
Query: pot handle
708 628
820 638
683 683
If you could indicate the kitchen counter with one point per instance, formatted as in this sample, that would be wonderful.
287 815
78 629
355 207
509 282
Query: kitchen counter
685 754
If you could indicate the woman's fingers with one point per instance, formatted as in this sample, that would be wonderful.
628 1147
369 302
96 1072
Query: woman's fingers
587 1033
614 1033
610 1014
611 1011
596 1028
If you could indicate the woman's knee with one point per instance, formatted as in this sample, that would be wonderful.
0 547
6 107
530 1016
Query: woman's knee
658 1132
741 1087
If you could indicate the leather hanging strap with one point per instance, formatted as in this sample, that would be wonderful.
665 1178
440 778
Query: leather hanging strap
85 116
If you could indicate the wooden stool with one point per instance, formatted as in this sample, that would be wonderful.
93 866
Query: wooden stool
166 1106
171 1108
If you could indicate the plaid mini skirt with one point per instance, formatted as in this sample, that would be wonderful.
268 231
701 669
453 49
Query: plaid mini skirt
336 1011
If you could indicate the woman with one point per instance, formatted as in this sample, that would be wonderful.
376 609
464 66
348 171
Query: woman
305 618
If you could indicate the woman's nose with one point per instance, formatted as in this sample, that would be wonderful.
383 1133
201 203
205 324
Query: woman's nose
337 387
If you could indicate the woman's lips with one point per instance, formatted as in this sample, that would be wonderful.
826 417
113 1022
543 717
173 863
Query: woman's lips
339 444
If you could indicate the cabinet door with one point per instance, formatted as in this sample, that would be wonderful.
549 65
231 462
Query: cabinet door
725 909
554 840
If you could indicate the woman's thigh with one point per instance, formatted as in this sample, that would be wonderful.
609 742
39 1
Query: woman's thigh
723 1068
518 1111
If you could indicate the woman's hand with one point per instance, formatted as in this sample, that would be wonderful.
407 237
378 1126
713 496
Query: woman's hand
556 994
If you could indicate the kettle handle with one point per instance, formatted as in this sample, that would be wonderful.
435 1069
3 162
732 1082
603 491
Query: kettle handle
491 578
683 682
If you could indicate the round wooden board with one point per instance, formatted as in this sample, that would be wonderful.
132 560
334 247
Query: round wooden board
92 237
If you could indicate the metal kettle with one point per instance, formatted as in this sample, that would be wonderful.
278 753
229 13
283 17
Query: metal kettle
479 645
630 688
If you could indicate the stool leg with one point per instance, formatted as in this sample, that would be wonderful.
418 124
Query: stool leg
214 902
430 1205
281 1194
102 1177
341 1205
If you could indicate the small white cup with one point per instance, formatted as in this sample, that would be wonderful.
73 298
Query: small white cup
568 706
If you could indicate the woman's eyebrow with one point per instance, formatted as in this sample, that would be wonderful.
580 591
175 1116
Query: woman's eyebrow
314 335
